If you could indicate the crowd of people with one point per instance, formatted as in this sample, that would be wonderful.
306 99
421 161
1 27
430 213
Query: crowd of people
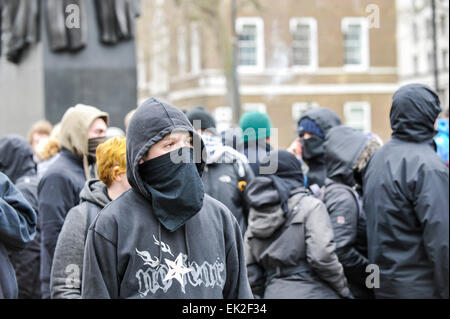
173 208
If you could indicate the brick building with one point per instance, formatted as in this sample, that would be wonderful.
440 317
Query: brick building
293 56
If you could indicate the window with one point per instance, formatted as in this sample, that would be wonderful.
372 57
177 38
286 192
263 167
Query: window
356 43
195 49
159 57
416 65
299 109
430 61
415 33
445 59
304 42
429 28
250 32
224 117
444 25
182 60
247 107
357 115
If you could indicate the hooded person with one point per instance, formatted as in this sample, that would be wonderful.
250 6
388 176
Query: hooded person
313 126
227 172
16 160
83 128
256 131
67 268
289 246
17 228
164 238
348 152
406 202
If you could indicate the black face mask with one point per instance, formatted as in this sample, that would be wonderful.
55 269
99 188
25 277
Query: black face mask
93 143
176 188
312 148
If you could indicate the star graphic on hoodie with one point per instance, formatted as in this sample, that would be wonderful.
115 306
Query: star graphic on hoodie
177 270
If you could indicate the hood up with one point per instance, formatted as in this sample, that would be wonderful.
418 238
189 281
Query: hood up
95 192
16 157
75 126
152 121
343 147
325 118
415 108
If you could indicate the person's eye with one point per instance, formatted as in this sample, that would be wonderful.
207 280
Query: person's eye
169 145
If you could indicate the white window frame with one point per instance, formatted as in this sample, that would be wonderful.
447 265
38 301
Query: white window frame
365 50
181 52
312 22
247 107
367 118
195 48
260 43
299 108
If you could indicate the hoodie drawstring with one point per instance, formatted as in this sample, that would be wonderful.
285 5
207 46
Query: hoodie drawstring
160 249
187 243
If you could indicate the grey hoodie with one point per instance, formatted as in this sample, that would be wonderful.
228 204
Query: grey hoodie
129 254
65 280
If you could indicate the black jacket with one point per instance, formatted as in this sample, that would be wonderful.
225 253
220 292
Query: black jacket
225 177
16 161
343 147
17 228
291 255
58 191
325 119
407 203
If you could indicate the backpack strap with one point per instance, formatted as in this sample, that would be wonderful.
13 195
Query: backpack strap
348 188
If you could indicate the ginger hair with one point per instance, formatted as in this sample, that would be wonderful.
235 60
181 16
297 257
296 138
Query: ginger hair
111 159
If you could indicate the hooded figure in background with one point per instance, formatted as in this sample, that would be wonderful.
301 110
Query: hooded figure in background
227 172
96 194
83 128
406 202
164 238
16 160
19 26
348 152
289 246
312 129
17 228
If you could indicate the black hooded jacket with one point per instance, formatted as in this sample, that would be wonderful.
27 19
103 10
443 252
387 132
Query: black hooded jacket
16 161
325 119
343 147
130 254
407 202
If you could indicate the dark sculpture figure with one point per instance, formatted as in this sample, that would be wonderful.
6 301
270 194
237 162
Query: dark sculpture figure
20 24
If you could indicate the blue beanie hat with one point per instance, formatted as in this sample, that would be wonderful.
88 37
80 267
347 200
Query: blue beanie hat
307 125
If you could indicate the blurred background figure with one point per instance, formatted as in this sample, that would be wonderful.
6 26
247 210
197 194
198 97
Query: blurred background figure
83 128
38 136
96 194
50 151
256 130
312 129
16 161
114 132
289 247
227 172
17 228
127 119
442 137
